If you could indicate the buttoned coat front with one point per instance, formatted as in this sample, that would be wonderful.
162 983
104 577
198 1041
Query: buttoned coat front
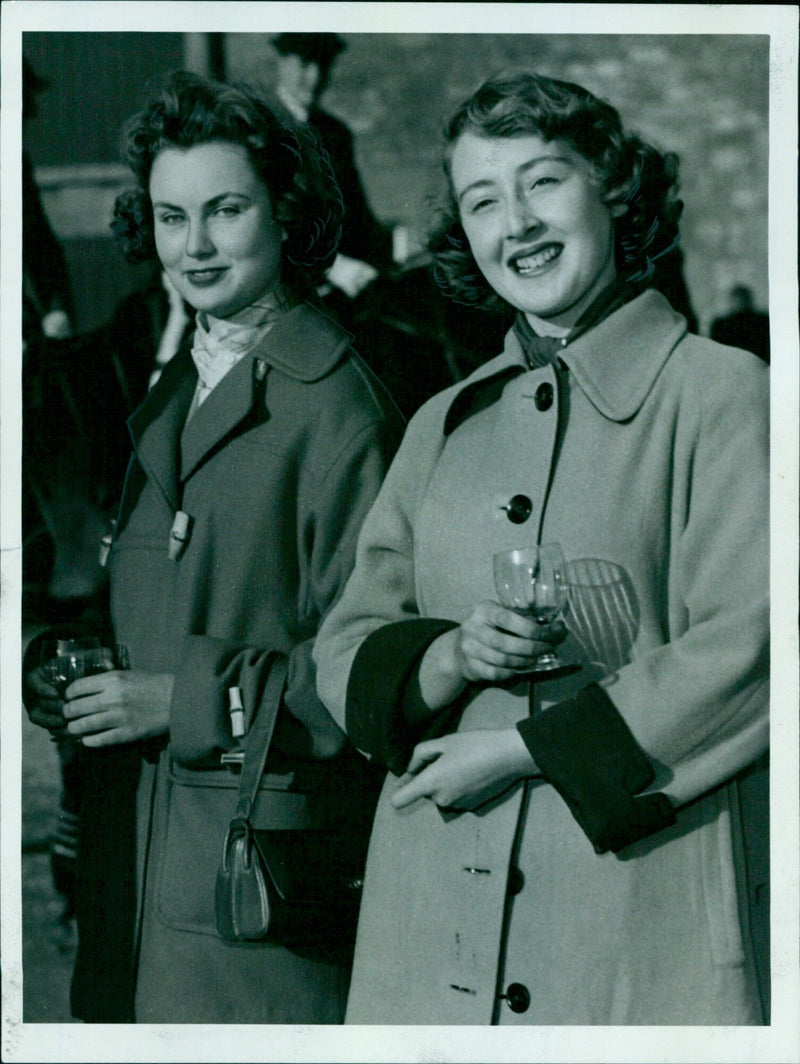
275 472
643 451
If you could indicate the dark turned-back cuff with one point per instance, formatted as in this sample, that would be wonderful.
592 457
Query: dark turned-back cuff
584 748
385 714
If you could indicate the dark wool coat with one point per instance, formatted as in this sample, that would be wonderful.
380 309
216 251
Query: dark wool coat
275 471
643 451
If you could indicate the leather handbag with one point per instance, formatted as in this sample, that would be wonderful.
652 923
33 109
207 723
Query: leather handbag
293 887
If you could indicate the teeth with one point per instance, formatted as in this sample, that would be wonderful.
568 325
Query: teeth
535 262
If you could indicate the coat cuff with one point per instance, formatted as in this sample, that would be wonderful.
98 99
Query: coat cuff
584 748
385 714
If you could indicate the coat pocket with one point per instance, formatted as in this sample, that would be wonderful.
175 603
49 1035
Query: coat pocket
719 885
198 809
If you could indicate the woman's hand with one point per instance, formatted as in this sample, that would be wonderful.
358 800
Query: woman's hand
43 702
492 645
118 707
465 769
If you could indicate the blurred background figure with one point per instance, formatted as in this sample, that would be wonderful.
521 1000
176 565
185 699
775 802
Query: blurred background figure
743 325
305 65
404 329
47 300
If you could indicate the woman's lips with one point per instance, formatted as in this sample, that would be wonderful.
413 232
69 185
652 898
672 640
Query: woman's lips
205 277
534 263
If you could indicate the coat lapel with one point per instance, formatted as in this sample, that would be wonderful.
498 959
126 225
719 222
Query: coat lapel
614 366
227 405
156 425
303 344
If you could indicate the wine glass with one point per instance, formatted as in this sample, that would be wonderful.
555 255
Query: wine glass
533 581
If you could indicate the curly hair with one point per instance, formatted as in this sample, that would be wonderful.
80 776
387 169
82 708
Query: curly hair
188 110
629 172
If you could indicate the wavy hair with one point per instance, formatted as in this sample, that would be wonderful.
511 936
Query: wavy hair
629 172
188 110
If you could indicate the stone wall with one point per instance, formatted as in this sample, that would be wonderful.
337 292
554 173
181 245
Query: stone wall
705 97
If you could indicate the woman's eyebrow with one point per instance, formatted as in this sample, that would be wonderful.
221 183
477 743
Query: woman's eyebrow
525 167
209 203
226 195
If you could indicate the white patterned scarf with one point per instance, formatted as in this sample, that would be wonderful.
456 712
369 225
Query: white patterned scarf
219 343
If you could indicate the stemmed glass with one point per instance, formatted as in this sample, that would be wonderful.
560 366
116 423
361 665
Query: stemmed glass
533 581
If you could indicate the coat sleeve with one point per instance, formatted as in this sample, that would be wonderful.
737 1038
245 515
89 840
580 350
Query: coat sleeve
696 706
332 505
380 598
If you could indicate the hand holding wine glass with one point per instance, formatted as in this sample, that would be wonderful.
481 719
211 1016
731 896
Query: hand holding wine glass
533 581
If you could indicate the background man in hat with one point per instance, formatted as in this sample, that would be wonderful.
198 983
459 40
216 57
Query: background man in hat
305 62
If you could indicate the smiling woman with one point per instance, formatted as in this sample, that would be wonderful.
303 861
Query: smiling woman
567 850
256 456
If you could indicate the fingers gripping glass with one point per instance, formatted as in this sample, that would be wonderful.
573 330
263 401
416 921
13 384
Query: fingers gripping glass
64 660
533 581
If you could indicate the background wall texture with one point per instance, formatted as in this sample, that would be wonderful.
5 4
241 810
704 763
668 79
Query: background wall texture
705 97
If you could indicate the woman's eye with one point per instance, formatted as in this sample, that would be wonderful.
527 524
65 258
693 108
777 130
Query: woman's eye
544 181
170 219
480 205
227 210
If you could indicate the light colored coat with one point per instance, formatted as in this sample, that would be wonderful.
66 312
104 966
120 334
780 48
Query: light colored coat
276 471
651 470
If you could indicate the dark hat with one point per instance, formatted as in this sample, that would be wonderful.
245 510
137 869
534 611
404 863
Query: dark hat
320 48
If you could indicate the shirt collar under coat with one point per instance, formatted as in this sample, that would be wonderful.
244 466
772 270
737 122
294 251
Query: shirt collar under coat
303 344
615 363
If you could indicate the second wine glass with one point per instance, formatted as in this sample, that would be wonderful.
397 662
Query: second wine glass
533 581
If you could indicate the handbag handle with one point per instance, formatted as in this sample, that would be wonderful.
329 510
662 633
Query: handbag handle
260 737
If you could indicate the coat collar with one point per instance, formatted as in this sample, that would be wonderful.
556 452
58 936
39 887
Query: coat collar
155 426
304 345
615 364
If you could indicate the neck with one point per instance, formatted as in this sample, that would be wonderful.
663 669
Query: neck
543 327
270 302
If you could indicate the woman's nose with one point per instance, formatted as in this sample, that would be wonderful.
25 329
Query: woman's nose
520 217
198 240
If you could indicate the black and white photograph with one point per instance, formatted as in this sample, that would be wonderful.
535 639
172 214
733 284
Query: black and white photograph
399 525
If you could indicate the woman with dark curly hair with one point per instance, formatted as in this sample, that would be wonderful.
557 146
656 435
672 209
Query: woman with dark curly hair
256 457
566 850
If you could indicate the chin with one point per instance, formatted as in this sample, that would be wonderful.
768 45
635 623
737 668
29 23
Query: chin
215 308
